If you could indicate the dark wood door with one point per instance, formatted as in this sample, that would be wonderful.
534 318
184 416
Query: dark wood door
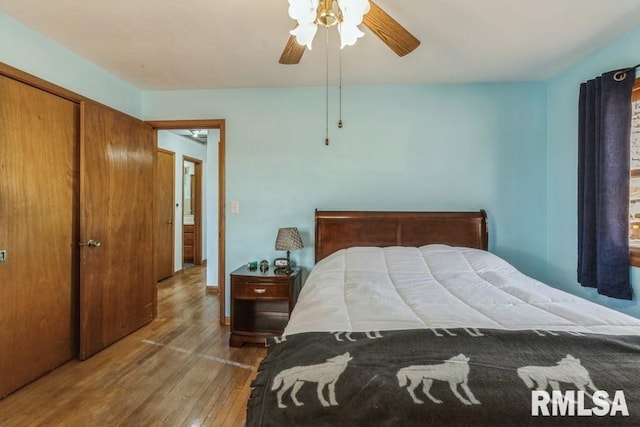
39 135
117 291
164 221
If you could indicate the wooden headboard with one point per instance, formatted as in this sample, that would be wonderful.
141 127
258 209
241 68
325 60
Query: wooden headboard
337 230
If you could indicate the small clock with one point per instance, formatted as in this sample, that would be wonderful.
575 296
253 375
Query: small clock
281 263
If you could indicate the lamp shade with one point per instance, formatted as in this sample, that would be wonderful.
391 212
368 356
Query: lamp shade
288 239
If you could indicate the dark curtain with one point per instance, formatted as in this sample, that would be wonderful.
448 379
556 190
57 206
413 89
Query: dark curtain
603 183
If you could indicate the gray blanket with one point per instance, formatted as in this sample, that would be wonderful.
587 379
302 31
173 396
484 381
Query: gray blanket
448 377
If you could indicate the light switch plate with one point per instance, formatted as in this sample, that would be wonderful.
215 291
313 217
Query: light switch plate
235 207
3 256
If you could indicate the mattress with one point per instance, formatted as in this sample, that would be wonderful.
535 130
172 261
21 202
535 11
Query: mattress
439 287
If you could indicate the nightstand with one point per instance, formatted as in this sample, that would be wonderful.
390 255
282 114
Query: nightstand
261 304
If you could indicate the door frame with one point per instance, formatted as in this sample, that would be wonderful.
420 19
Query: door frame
220 125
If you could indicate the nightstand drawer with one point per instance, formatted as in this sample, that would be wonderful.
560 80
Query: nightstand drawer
260 290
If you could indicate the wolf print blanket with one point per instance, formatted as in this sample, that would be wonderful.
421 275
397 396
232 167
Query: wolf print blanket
448 377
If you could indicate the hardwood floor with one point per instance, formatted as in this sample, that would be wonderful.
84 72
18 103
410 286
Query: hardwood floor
177 371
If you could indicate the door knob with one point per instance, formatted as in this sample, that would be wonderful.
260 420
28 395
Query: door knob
169 222
94 243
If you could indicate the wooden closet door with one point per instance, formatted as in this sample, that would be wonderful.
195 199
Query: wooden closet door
117 283
38 231
165 212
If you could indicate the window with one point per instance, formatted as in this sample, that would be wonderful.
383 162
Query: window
634 187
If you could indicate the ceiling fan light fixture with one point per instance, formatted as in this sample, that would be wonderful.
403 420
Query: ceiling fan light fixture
346 14
328 18
198 133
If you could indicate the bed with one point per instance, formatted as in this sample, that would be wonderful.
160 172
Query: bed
407 319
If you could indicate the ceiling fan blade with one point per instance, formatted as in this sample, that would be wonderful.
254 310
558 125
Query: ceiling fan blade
390 31
292 52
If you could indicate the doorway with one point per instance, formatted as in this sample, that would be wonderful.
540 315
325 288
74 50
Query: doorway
192 196
215 271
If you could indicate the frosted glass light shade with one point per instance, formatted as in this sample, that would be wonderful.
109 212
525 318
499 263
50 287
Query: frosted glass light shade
305 33
349 34
352 13
304 11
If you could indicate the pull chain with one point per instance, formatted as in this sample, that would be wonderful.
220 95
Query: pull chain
326 112
340 94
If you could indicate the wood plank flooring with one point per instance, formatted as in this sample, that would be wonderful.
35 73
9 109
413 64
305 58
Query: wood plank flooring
177 371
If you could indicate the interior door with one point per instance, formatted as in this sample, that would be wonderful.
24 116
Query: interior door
39 135
117 281
164 220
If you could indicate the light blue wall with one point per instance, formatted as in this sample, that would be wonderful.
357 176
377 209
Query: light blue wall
562 154
418 147
211 207
29 51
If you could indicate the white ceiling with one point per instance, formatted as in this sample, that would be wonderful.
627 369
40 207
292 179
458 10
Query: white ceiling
201 44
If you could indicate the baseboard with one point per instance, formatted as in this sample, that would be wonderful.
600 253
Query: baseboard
212 289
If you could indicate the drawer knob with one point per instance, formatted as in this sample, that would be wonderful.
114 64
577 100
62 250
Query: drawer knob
260 291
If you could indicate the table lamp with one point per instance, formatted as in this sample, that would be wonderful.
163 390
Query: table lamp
288 240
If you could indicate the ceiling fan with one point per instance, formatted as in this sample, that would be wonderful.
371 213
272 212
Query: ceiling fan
347 15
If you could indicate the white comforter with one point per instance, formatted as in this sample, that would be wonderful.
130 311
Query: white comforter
438 286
